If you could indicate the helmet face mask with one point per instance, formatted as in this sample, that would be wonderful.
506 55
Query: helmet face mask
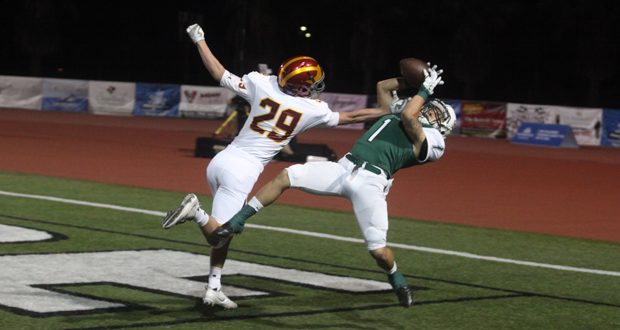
438 114
301 76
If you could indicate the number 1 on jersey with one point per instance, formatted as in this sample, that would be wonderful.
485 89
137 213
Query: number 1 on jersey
374 135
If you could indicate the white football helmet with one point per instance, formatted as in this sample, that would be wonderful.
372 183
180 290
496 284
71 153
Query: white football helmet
438 114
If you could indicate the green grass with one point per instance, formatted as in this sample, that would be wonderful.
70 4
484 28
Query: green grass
453 292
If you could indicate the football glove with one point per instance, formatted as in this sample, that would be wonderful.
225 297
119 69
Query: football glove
195 32
398 104
431 79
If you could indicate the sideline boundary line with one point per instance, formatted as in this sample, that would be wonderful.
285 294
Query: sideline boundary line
333 237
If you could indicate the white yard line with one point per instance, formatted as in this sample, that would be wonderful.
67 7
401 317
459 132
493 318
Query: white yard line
327 236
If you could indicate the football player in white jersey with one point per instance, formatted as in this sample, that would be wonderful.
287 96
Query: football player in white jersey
281 107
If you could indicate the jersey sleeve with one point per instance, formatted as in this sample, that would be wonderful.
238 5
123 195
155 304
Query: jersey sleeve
333 119
436 144
237 85
324 116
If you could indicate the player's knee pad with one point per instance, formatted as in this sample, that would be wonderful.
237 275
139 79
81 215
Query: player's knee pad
375 238
295 172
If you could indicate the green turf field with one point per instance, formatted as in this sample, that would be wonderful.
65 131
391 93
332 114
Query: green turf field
76 266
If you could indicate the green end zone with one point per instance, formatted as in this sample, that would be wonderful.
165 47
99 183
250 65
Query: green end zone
133 264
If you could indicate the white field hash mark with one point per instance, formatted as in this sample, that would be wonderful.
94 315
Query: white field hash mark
333 237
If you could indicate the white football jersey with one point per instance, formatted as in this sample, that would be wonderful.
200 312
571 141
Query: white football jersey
436 144
275 117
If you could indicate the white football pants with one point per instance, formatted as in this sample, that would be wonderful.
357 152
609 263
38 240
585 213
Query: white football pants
232 174
365 190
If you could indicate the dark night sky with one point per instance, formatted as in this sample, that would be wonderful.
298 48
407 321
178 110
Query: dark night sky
540 52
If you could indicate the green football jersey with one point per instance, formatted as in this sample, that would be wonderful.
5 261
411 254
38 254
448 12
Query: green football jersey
387 145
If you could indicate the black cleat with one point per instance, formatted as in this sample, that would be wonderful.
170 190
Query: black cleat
224 231
405 297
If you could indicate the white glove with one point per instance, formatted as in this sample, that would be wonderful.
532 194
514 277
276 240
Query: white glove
431 78
394 96
195 32
398 104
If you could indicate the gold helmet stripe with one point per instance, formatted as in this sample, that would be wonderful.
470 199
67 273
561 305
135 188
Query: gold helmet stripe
297 59
310 68
298 71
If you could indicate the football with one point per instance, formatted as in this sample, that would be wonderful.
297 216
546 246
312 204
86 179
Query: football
412 70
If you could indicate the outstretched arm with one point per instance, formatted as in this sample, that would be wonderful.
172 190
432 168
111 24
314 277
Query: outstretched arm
384 99
211 63
363 115
412 125
411 112
385 88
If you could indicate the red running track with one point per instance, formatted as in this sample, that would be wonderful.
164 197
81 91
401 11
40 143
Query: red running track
479 182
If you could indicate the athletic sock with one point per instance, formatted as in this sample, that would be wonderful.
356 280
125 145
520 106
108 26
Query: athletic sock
215 277
238 220
391 271
255 204
201 217
395 278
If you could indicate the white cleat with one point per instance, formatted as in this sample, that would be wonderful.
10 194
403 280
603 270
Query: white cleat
213 297
185 212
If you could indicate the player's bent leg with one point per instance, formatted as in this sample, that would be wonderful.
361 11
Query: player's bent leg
272 190
231 175
265 196
374 224
226 203
318 178
231 193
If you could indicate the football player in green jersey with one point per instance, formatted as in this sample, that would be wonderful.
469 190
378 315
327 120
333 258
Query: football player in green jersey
413 134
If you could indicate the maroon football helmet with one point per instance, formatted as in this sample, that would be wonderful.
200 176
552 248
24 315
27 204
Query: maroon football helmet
301 76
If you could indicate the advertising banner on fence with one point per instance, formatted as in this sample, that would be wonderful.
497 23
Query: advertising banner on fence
111 98
528 113
157 100
204 102
610 137
587 123
346 103
65 95
548 135
21 92
487 119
